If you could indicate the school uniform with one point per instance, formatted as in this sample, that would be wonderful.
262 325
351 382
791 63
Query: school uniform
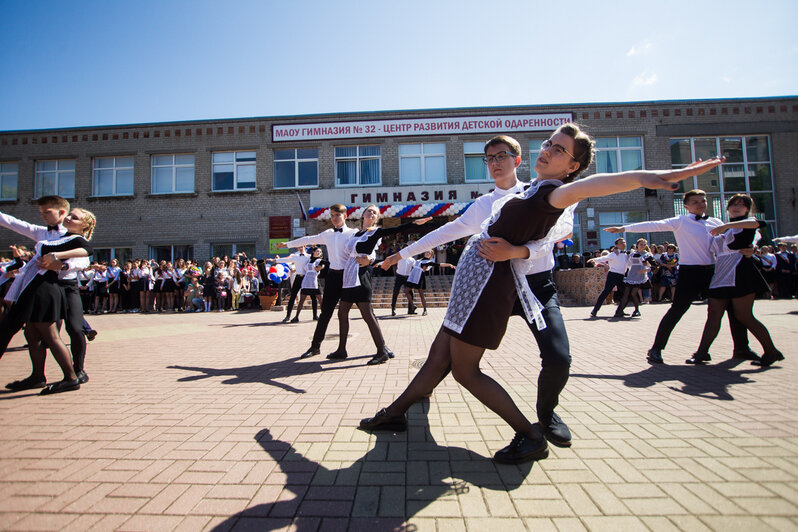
636 277
335 240
300 262
418 275
618 262
696 266
736 275
403 269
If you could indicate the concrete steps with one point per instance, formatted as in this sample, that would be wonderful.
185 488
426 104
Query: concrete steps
436 293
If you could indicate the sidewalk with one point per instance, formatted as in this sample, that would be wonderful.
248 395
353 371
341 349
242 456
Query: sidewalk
210 422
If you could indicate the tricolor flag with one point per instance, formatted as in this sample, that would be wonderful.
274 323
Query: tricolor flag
302 207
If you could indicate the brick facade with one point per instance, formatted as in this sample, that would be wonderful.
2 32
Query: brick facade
205 217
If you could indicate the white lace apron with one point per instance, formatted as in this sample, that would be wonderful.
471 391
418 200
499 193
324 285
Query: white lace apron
727 259
473 271
311 279
30 270
418 271
351 267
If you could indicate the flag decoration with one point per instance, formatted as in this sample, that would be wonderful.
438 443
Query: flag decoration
302 207
398 211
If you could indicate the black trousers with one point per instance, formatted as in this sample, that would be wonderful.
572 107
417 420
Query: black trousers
555 355
332 293
613 280
693 281
398 282
295 287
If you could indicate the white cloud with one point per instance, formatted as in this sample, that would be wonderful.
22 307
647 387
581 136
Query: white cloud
640 48
644 79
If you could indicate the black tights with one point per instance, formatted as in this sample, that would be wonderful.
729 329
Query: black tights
743 308
368 316
630 292
43 336
447 351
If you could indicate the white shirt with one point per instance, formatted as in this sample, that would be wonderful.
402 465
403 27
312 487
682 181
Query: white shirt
299 260
618 261
692 236
335 242
790 239
469 223
404 266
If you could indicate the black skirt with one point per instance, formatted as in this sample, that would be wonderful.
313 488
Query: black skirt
309 291
747 280
362 293
100 289
42 301
420 285
168 286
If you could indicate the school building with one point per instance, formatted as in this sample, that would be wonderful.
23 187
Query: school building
204 188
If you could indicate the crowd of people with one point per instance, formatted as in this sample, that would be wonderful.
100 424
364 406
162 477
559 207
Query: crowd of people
504 269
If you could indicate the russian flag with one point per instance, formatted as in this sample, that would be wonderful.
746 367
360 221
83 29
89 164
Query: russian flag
302 207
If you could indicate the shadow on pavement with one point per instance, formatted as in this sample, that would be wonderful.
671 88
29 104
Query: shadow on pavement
400 476
710 381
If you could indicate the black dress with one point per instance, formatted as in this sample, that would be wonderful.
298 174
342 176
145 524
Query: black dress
362 293
748 278
519 221
43 299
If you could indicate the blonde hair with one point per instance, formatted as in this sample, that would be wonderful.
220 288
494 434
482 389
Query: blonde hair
91 221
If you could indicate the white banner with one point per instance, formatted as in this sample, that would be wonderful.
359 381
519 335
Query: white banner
419 126
399 195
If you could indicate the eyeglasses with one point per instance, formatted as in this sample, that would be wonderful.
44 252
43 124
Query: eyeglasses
558 149
499 157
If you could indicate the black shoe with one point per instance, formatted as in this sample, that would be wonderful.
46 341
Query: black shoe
315 318
295 320
61 386
338 354
620 315
28 383
313 351
556 431
286 319
424 313
411 309
388 352
747 354
593 314
393 312
698 359
636 314
379 358
522 449
382 421
655 356
82 377
91 335
768 360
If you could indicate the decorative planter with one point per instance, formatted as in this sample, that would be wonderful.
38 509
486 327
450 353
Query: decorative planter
266 302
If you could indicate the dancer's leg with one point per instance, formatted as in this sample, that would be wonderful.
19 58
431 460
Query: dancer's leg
367 311
743 311
343 324
715 311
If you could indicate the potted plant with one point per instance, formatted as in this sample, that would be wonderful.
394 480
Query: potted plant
268 295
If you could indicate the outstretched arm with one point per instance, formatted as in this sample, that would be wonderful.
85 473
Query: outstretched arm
607 184
750 223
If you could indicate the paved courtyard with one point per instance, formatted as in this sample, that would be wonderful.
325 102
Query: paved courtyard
210 422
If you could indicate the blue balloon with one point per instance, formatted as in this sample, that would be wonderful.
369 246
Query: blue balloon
568 242
274 277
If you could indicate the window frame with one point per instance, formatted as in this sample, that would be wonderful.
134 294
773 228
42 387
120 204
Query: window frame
236 166
174 166
296 161
423 156
95 169
624 221
618 150
468 154
7 174
59 174
189 247
358 159
233 248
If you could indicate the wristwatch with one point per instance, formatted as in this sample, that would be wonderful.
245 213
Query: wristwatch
64 266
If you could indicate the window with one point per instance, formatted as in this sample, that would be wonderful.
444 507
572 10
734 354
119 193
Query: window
475 167
172 174
422 163
618 154
747 169
614 219
55 178
220 250
234 170
171 253
534 151
106 254
9 173
357 165
113 176
296 168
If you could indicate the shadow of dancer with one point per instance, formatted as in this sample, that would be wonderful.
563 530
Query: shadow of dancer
267 373
710 381
400 476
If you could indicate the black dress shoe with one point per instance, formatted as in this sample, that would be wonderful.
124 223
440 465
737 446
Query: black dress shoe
746 354
393 312
28 383
768 359
382 421
379 358
338 354
556 431
286 319
82 377
313 351
91 335
655 356
522 449
636 314
620 315
60 387
698 359
295 320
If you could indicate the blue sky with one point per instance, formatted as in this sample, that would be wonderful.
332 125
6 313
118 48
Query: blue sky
83 63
